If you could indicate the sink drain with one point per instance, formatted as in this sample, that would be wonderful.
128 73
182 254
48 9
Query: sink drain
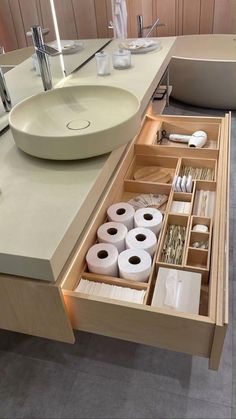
78 124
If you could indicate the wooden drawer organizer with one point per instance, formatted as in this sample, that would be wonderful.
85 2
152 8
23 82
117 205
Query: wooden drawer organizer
153 127
201 334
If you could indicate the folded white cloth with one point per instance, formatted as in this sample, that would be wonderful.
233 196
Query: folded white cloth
111 291
140 43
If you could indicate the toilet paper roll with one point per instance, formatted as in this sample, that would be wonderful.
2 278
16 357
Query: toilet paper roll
141 238
149 218
122 212
135 264
113 233
102 259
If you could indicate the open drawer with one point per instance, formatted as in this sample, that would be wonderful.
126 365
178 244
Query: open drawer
199 334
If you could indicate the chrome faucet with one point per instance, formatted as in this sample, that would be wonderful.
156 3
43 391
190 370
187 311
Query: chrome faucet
4 93
43 51
142 28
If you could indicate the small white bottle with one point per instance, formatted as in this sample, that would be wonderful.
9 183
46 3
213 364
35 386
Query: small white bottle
103 63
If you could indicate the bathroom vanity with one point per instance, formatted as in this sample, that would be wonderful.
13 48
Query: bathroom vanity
33 304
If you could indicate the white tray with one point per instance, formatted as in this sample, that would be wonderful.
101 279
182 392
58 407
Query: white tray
134 45
69 46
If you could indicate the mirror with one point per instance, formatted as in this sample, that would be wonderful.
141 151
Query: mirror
82 27
79 30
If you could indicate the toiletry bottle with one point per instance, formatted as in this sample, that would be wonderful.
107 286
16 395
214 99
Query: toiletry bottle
103 63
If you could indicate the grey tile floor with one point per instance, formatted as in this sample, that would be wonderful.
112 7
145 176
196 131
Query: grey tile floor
100 377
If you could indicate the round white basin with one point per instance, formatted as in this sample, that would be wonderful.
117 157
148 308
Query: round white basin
75 122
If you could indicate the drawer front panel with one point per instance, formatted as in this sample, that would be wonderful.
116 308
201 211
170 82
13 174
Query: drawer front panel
140 325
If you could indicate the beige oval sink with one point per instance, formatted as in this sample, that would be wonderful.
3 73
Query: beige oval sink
75 122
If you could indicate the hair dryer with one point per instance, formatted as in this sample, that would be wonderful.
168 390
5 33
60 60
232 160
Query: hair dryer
198 139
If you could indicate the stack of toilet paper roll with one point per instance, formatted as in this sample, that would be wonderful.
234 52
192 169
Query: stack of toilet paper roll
127 243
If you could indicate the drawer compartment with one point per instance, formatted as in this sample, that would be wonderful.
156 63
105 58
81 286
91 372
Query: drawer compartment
195 334
156 129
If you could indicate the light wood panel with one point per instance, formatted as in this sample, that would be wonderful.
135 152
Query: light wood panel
142 325
101 18
191 17
34 308
225 16
66 19
85 18
47 20
139 7
8 37
18 23
223 271
90 18
179 17
206 16
30 16
109 18
166 11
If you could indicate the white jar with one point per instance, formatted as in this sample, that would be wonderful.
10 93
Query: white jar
103 63
121 59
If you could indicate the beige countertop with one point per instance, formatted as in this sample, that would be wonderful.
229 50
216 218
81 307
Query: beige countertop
45 205
141 79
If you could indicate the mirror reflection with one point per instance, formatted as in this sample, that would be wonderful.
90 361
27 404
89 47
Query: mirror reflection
77 28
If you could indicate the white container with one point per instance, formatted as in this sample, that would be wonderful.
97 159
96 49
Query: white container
177 290
121 59
103 63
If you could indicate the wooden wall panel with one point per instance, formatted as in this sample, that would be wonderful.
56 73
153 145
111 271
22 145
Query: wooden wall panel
66 19
101 18
207 16
166 11
85 18
8 37
47 20
109 18
138 7
90 18
18 23
179 17
225 16
147 12
191 17
30 16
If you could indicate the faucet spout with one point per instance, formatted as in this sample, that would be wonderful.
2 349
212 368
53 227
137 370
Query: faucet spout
142 28
43 51
4 93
